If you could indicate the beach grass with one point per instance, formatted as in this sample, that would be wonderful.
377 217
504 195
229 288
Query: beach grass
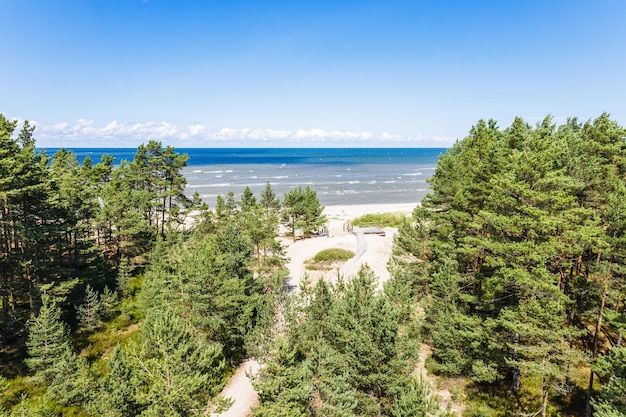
380 220
324 259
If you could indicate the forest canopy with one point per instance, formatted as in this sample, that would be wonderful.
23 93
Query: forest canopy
123 296
518 254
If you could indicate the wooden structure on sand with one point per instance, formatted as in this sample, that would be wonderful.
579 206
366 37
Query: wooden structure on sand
348 227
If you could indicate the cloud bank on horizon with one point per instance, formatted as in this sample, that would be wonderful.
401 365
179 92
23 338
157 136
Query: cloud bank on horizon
85 133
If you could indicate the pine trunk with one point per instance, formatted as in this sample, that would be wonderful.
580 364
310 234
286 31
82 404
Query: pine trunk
544 401
594 348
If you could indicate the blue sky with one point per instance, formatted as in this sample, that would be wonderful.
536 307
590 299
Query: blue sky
305 73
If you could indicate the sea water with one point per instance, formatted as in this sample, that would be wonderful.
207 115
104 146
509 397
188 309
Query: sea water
339 176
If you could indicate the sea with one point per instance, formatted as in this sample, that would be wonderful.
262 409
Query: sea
339 176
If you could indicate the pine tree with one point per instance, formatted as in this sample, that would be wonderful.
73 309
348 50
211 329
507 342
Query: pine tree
27 238
539 344
342 356
302 210
269 200
248 200
108 303
260 224
118 392
226 207
182 370
123 277
415 400
611 401
220 288
90 311
47 340
76 205
74 381
520 241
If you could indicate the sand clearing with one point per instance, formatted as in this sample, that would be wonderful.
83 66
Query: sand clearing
378 247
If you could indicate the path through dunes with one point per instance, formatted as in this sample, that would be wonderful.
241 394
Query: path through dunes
371 249
240 390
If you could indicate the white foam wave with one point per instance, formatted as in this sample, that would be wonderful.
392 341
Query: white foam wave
225 184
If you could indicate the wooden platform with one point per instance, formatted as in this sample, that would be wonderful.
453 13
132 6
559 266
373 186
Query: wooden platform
369 231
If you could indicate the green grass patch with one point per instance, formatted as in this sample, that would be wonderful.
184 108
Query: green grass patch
381 220
333 255
23 386
97 343
325 259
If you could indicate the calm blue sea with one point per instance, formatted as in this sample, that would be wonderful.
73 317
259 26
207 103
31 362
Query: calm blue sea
340 176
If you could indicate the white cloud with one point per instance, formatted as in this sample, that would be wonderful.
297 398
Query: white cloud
85 133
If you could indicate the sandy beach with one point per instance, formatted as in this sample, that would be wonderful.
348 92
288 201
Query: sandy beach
376 254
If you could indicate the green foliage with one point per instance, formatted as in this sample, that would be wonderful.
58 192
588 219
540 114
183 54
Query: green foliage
269 200
35 229
143 199
611 401
517 248
90 311
211 281
108 303
380 220
258 221
248 200
74 381
123 277
33 407
285 388
342 356
333 255
182 369
47 340
118 391
415 400
65 227
327 257
302 210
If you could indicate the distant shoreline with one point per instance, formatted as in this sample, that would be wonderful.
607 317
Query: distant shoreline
340 176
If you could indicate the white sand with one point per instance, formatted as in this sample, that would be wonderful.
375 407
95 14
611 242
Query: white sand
378 247
240 390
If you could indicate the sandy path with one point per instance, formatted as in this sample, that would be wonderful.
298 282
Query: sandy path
448 403
374 251
241 391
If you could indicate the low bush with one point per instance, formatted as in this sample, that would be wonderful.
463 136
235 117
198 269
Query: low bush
380 220
324 259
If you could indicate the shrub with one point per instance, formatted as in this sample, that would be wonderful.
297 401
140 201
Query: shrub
324 259
380 220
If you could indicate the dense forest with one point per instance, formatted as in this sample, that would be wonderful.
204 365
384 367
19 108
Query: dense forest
122 296
518 257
